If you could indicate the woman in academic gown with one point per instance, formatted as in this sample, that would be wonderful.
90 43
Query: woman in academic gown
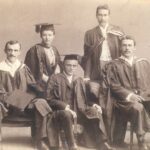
43 59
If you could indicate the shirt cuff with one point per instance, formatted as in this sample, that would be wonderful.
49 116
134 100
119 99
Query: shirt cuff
86 79
94 105
45 77
129 96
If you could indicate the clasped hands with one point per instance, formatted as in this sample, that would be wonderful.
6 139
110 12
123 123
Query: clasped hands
98 107
136 98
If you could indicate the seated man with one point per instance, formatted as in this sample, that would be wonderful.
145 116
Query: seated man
66 92
16 81
128 80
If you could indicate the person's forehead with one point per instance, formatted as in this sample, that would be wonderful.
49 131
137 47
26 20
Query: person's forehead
13 46
127 41
71 62
47 32
103 11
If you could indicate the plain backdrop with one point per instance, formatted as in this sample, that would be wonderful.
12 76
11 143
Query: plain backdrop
18 18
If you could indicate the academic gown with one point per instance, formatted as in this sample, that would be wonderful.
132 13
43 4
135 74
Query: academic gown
23 81
38 62
122 79
60 93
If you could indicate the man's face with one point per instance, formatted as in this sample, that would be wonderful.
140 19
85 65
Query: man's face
70 66
127 48
103 16
12 52
47 37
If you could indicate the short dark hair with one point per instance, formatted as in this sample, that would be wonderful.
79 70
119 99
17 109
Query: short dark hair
104 6
46 28
11 42
128 37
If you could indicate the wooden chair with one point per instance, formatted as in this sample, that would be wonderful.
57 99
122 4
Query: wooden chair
17 121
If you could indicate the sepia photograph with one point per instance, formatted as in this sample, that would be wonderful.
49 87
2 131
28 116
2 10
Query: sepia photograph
75 75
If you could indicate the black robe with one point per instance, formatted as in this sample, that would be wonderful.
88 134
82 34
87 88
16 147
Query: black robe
60 93
122 79
38 63
23 82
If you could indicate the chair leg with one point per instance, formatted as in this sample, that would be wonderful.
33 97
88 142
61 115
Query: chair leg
33 131
0 130
131 137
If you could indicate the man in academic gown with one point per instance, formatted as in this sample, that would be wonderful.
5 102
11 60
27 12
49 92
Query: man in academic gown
101 44
16 77
128 80
67 92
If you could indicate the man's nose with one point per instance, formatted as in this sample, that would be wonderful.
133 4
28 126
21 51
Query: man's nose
47 37
103 17
12 53
127 48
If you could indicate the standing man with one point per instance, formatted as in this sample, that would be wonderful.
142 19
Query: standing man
129 83
101 44
66 92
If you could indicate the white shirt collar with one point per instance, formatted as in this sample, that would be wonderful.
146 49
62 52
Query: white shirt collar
68 77
17 63
130 61
104 28
9 67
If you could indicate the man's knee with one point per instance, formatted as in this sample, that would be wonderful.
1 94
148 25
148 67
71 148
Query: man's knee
66 114
137 107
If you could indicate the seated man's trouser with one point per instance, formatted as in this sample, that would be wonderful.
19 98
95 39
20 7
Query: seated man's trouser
37 106
133 112
56 121
94 133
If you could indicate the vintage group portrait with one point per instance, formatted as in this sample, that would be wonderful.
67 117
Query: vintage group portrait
75 75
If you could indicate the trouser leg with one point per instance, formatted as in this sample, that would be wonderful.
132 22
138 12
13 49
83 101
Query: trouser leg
94 129
119 128
137 119
65 121
40 128
100 136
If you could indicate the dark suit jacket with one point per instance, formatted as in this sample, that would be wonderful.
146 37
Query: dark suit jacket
60 93
93 42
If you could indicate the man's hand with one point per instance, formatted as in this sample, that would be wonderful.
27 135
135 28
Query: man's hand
45 78
98 107
86 79
136 98
71 111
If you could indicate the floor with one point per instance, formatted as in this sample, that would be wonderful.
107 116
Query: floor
19 139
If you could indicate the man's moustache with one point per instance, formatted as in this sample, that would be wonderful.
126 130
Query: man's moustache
11 56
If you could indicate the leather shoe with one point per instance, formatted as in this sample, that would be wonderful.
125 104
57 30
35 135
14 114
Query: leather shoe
74 147
106 146
121 144
143 146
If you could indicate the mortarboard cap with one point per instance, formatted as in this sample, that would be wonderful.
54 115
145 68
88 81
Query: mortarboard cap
44 26
72 57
